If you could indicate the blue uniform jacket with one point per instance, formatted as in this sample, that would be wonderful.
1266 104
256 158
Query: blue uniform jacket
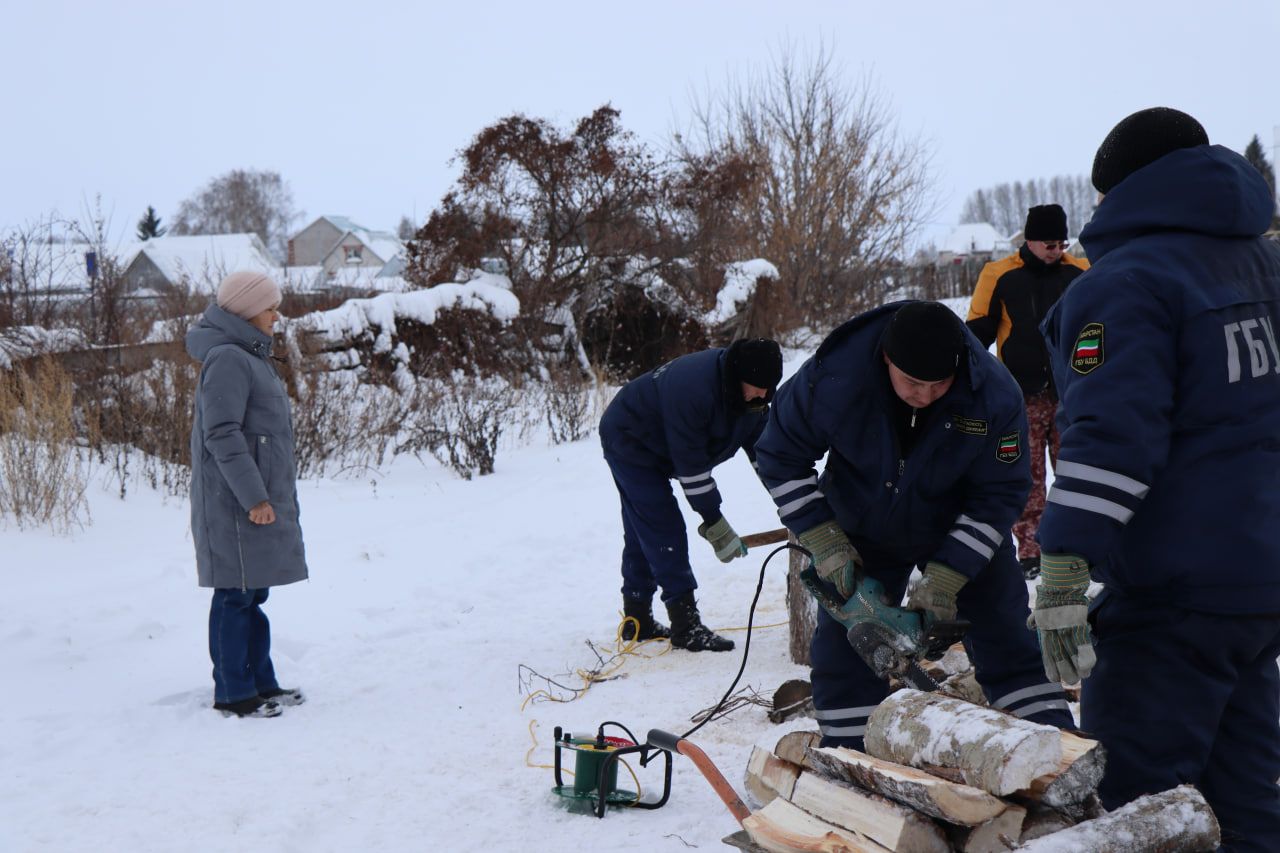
1165 355
678 420
952 499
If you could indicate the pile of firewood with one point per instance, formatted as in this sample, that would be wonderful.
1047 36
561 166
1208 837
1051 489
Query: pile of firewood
943 774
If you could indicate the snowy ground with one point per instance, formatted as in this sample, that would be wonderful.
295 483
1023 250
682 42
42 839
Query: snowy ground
427 593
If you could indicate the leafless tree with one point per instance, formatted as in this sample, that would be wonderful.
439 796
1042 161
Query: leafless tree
1005 206
242 201
840 191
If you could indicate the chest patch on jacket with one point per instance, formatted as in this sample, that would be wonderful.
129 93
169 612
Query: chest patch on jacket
1010 447
1088 353
969 426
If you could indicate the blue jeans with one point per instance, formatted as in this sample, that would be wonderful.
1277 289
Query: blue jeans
240 645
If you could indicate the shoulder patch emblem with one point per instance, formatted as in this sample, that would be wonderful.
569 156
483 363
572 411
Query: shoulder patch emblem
1010 447
970 426
1088 353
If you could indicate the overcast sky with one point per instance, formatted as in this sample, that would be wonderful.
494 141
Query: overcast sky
361 106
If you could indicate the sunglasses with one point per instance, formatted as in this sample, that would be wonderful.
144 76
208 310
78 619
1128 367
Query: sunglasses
1055 244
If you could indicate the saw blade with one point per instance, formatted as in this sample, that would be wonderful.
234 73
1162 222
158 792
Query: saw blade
913 675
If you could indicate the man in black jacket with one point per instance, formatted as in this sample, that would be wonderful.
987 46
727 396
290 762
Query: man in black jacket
1012 298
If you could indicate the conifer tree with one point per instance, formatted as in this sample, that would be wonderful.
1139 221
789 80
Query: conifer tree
149 225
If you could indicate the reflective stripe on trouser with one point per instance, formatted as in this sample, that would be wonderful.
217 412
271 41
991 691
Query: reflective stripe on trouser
1042 432
1005 655
655 544
1184 697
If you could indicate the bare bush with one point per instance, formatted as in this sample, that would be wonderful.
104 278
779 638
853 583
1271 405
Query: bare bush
43 470
338 420
567 396
149 411
460 423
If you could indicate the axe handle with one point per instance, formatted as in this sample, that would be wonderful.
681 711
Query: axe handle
767 537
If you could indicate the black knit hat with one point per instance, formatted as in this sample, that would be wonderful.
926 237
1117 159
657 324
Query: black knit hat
925 340
755 361
1141 139
1045 222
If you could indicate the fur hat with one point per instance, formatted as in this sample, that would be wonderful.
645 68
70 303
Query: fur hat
925 340
1045 222
248 294
1141 139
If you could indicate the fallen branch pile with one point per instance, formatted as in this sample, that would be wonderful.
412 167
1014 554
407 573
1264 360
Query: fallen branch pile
941 774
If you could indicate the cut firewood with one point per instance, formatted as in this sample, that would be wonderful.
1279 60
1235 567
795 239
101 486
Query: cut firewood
996 752
768 776
1001 833
793 745
793 698
1075 778
950 801
782 827
878 818
1175 821
1042 821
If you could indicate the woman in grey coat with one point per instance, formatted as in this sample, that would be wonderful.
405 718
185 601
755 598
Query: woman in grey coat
244 497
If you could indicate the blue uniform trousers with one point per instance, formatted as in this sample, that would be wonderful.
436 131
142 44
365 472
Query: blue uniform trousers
1185 697
240 644
1004 653
655 544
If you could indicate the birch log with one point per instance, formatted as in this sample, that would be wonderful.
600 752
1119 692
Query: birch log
996 752
768 776
1075 778
1174 821
782 827
878 818
950 801
793 745
1001 833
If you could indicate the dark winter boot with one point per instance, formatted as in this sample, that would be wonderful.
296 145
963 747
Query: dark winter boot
254 706
687 630
284 695
1030 567
642 611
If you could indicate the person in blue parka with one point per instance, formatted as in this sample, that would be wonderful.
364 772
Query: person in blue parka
679 421
244 496
925 437
1166 358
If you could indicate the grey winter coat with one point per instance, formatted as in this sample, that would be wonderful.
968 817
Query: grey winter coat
241 455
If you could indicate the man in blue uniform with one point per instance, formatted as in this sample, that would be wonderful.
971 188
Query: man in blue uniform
925 438
1168 482
680 421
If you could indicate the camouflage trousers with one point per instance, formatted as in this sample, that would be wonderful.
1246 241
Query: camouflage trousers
1041 433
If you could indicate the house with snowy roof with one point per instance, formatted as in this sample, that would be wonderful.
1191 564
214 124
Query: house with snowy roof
977 241
337 243
197 260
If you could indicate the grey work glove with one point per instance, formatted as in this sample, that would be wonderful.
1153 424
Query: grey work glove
723 539
1061 618
936 592
834 558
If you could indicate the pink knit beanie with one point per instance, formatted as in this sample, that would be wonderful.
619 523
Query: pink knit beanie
248 294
